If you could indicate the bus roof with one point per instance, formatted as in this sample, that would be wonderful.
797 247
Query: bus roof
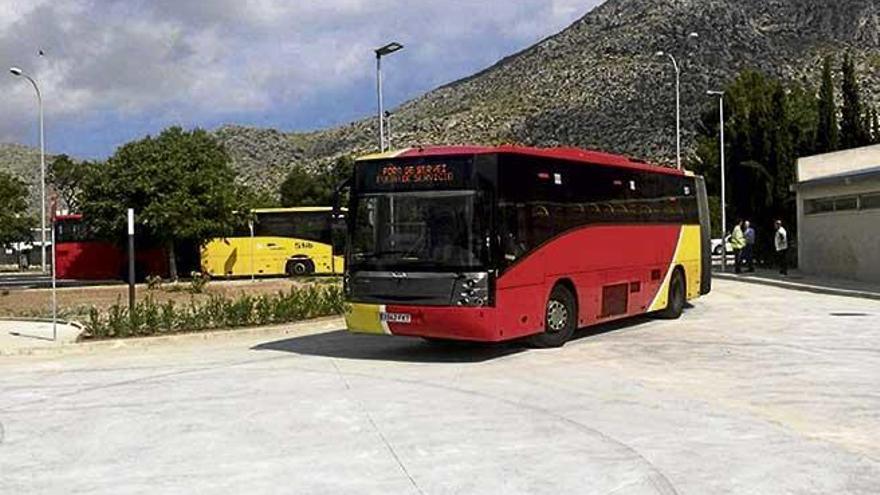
576 155
297 209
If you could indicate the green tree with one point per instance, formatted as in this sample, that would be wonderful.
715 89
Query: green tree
852 130
341 170
15 222
180 183
867 136
768 125
803 119
875 126
68 178
301 188
252 198
827 134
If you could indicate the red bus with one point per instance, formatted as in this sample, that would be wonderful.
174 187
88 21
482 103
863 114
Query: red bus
79 255
499 243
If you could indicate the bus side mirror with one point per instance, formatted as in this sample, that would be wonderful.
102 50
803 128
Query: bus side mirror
338 193
338 233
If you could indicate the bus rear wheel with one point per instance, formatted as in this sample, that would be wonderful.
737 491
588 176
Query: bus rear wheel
676 298
300 268
560 319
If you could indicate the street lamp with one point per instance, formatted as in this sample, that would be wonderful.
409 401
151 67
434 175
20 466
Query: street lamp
20 73
381 52
677 100
720 95
388 132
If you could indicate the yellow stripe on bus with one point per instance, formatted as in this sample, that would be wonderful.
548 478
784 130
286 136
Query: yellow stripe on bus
688 255
365 318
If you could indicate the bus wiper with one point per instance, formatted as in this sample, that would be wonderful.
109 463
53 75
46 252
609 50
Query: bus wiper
378 254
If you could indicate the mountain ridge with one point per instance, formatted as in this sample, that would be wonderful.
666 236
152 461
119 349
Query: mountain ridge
597 84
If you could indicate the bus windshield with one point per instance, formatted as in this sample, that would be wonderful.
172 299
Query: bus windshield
72 230
433 230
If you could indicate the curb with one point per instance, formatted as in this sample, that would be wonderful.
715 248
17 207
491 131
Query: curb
816 289
71 323
325 323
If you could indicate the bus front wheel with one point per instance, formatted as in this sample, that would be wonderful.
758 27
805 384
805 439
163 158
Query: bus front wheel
676 298
300 268
560 319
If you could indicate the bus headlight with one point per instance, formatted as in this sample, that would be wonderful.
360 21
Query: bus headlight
472 289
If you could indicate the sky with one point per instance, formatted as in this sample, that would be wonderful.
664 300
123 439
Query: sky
116 70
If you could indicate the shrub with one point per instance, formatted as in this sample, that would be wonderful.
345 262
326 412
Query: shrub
154 282
219 312
198 281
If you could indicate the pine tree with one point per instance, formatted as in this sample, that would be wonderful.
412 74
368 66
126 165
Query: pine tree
827 138
875 127
852 131
867 135
780 160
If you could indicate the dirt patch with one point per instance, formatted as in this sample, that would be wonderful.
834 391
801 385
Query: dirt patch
75 303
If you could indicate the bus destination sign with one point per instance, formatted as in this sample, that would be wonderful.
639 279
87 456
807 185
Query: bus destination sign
423 174
428 173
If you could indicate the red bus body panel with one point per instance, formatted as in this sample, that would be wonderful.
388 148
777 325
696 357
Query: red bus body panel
591 258
90 260
102 260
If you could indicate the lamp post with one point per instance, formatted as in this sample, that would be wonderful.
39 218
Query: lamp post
388 132
381 52
720 95
677 100
20 73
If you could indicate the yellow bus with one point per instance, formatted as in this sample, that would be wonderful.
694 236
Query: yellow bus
281 241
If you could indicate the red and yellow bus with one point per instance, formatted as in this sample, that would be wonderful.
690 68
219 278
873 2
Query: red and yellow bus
499 243
79 255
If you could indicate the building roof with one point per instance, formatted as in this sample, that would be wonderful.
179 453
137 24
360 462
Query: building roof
576 155
838 162
872 173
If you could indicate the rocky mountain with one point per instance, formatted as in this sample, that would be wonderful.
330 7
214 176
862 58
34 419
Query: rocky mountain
596 84
599 84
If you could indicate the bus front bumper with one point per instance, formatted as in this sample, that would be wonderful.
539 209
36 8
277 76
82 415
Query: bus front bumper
455 323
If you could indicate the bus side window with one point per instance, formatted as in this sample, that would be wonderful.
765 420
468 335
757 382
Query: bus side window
514 240
541 226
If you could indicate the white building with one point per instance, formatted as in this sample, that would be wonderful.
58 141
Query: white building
838 207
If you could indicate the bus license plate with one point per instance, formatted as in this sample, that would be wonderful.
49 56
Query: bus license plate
395 317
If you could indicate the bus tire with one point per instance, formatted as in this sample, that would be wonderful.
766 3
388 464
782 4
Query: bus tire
560 319
300 268
676 297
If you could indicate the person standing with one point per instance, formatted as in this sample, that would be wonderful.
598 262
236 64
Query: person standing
749 250
780 241
738 243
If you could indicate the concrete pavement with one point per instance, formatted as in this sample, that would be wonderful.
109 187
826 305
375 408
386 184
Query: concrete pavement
18 335
756 390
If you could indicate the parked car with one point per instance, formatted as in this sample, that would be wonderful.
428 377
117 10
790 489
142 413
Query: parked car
716 246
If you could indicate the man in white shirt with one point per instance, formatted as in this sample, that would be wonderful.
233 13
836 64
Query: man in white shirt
781 243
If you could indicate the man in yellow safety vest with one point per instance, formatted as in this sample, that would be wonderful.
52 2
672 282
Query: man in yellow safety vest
737 243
